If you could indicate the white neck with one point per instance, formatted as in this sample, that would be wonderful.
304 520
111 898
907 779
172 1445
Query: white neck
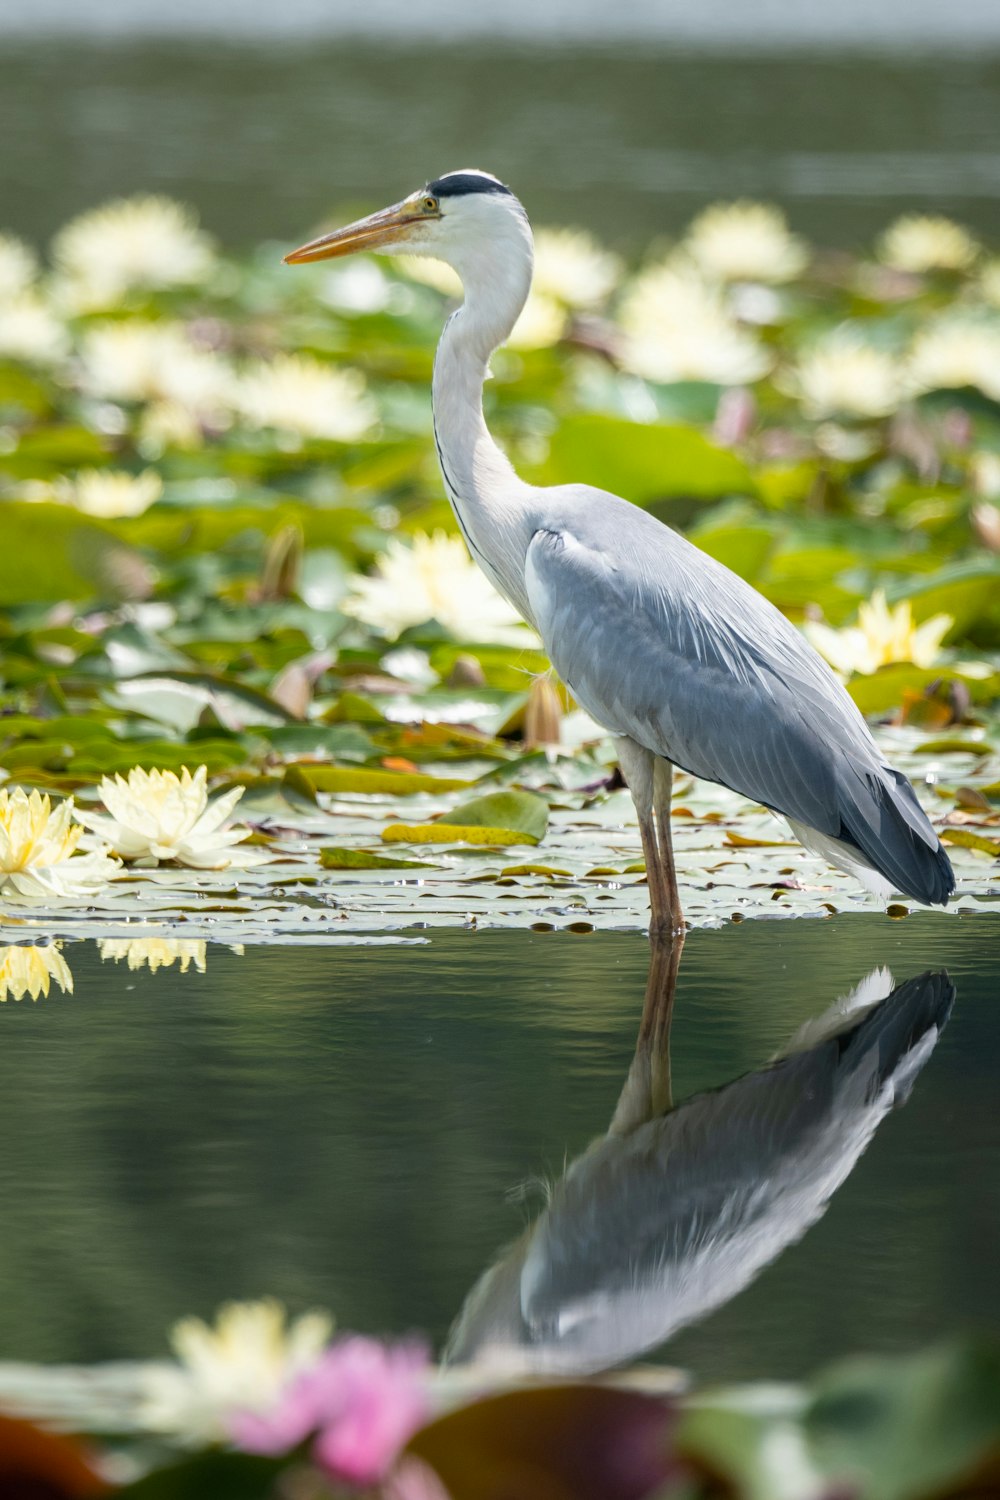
486 495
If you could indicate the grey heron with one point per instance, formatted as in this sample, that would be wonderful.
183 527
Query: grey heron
684 662
677 1209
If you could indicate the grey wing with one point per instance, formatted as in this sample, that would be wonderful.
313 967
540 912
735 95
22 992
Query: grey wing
659 642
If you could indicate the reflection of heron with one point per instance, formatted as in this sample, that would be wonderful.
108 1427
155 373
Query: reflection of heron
684 662
675 1210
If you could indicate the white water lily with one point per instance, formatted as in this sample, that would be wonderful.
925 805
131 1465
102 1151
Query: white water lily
927 242
18 267
158 816
541 323
111 493
430 272
989 282
745 241
136 361
31 971
38 851
434 579
957 351
30 330
298 395
677 327
883 634
239 1365
572 268
148 241
845 375
155 953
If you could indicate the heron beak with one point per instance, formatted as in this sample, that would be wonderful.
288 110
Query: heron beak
387 227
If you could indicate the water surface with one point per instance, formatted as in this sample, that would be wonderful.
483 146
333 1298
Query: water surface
360 1128
627 138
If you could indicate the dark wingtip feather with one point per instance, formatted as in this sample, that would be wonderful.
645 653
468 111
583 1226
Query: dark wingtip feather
890 828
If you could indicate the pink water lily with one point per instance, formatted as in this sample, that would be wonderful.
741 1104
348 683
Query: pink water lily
361 1401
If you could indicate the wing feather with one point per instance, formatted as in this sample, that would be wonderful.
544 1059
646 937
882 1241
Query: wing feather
660 643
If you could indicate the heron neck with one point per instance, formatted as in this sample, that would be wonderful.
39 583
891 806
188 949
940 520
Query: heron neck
485 493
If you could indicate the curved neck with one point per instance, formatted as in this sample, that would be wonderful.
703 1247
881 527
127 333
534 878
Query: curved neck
485 493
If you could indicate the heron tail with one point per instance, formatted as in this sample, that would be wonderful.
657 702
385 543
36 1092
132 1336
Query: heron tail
882 819
886 1037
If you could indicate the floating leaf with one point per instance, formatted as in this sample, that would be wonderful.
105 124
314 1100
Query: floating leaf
332 858
954 747
740 841
588 1442
452 833
384 783
922 1426
969 840
520 812
534 870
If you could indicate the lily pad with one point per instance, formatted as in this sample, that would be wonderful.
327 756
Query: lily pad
332 858
516 811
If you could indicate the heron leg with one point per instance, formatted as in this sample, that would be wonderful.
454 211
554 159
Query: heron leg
641 769
663 777
647 1092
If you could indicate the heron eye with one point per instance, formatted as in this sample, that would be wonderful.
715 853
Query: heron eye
430 205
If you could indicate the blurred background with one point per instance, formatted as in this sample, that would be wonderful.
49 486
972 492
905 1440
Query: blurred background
622 118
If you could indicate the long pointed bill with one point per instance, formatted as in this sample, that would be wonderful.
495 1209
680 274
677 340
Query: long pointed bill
387 227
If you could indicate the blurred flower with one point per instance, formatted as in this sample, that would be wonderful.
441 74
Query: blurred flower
957 351
989 282
572 268
363 1400
881 635
745 242
18 267
132 242
241 1365
30 971
430 272
158 815
30 330
845 375
167 424
984 473
541 324
136 361
155 953
434 579
677 327
38 858
296 394
927 242
111 493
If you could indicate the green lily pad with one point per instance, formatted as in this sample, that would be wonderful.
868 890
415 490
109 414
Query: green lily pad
452 833
332 858
519 812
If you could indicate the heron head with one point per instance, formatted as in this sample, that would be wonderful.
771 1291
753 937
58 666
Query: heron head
453 219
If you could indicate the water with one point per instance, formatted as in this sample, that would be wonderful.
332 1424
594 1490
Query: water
629 138
346 1127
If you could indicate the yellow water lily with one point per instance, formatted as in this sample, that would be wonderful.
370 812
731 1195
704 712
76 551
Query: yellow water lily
158 816
239 1364
38 851
31 970
883 634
